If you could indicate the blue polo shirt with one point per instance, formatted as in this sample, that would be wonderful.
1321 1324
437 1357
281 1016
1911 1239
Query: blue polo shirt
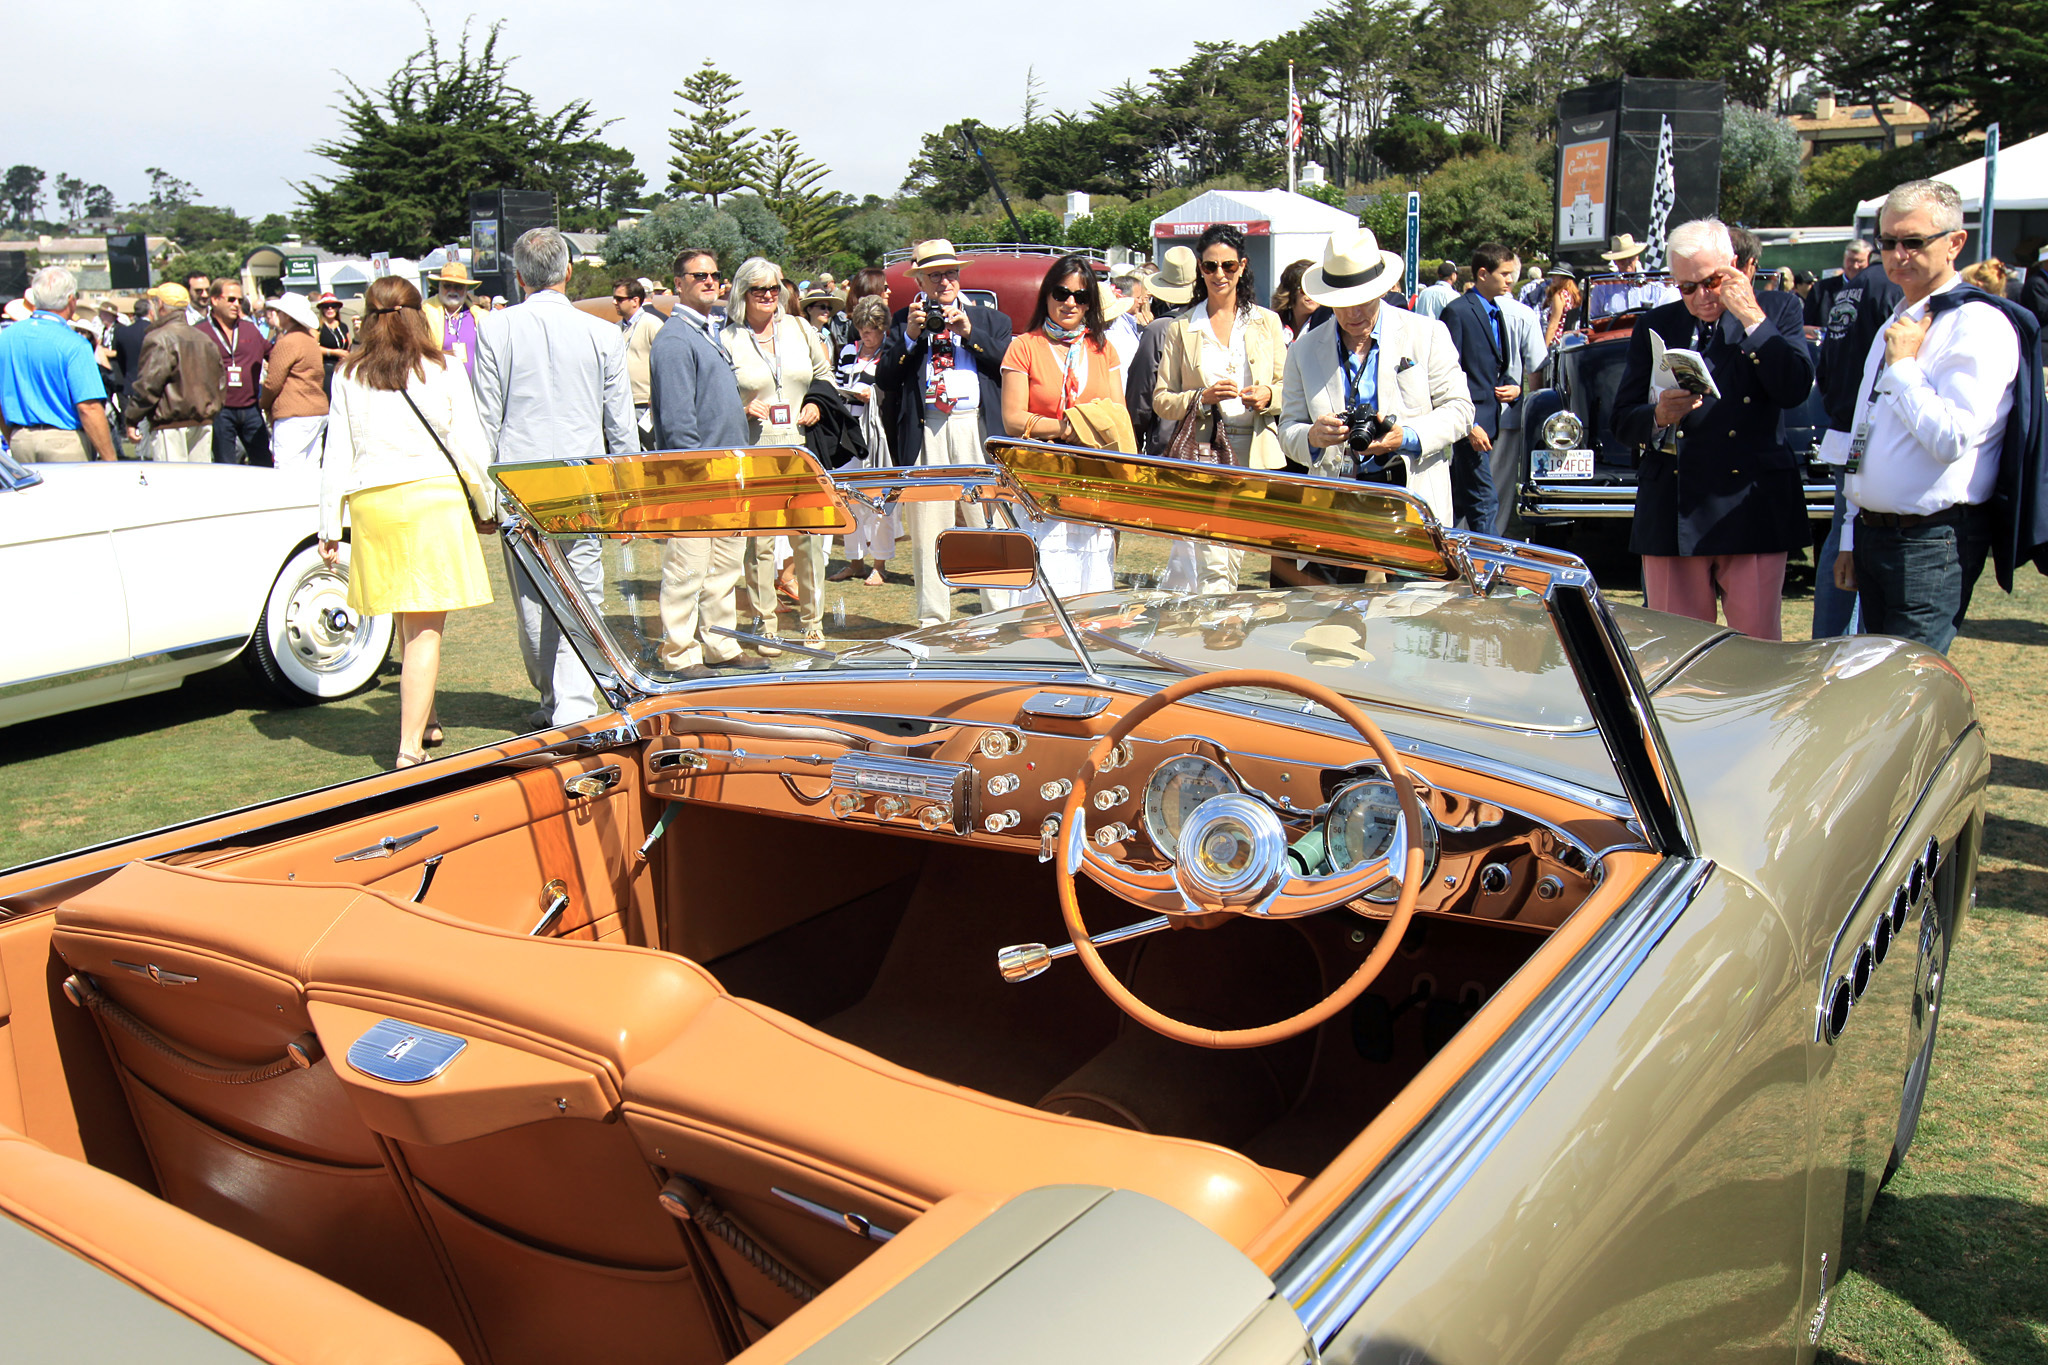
46 371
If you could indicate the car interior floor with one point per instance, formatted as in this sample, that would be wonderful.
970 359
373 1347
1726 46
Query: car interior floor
907 970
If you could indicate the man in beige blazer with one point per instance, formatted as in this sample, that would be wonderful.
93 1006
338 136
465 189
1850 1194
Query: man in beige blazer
1398 363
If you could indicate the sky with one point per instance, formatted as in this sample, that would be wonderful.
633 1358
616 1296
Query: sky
264 77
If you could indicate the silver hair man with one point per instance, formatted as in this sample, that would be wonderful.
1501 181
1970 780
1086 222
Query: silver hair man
1701 239
1944 206
541 258
52 289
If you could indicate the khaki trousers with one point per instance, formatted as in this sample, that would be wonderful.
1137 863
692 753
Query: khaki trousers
698 578
176 445
949 438
808 552
47 445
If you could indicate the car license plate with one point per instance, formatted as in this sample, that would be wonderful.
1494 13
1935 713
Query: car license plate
1562 464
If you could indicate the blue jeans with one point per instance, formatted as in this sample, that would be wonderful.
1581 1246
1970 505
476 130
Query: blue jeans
1834 611
1472 499
1915 581
246 426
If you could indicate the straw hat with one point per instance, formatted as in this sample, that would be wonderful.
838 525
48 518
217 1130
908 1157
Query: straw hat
1175 281
1114 305
1624 248
936 254
295 307
455 272
1354 270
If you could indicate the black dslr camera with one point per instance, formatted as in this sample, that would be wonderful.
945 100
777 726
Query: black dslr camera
1364 426
934 319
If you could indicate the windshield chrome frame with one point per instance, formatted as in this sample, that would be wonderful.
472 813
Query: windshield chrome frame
1588 635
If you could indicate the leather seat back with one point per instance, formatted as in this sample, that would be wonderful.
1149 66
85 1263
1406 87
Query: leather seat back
196 983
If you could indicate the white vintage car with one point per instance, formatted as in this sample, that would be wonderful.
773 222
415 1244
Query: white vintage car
125 579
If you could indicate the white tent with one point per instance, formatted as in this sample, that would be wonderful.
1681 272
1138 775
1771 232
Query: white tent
1280 228
2022 205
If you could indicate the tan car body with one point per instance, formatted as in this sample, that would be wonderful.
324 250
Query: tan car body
1644 1145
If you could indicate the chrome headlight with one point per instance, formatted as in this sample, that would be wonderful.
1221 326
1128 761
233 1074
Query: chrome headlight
1563 431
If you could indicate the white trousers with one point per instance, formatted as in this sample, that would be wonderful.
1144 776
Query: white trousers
1199 567
176 445
949 438
567 691
698 579
295 442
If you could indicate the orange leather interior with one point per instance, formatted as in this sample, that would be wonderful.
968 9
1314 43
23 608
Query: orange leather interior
273 1309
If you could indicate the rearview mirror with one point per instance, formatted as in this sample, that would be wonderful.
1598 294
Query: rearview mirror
973 558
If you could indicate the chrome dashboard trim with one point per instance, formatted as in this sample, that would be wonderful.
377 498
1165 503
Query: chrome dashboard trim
1330 1276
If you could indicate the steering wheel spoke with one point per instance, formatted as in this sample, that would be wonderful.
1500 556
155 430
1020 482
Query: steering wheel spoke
1232 859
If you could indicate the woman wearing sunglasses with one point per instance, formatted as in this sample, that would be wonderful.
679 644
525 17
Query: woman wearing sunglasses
775 356
1060 362
1221 362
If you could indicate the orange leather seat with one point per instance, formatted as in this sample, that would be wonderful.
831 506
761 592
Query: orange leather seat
262 1303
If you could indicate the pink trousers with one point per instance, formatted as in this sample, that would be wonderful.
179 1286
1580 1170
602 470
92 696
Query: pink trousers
1750 588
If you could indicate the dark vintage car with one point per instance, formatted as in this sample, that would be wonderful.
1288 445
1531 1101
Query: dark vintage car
1447 968
1574 467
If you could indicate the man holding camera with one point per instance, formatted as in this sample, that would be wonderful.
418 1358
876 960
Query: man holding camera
942 366
1719 501
1375 393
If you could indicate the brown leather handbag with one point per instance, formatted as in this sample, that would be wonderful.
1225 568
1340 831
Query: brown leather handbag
1187 442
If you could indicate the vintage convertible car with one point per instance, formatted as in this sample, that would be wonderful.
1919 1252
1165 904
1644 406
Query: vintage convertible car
1574 468
1462 970
126 579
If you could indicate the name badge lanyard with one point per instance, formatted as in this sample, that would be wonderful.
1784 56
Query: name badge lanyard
771 356
1351 376
1859 440
227 352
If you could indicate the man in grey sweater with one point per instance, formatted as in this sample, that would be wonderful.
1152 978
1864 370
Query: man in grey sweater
693 403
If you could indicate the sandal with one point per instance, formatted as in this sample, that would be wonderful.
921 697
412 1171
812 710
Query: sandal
845 571
406 760
875 579
786 590
433 736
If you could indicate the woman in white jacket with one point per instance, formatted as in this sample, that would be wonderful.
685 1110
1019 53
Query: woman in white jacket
406 452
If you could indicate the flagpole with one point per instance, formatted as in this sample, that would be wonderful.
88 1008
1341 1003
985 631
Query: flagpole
1291 186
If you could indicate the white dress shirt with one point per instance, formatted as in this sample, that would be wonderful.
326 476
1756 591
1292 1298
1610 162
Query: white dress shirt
1936 420
551 382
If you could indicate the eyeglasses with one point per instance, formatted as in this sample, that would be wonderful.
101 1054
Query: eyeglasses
1912 245
703 276
1062 294
1221 267
765 291
1691 287
620 298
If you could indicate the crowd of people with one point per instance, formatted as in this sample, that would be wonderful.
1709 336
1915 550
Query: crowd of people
1926 374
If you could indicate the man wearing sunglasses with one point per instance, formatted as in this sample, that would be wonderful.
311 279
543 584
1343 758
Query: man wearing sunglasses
1719 502
948 394
1927 448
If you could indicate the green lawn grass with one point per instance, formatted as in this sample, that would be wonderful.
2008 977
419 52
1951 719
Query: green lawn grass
1953 1269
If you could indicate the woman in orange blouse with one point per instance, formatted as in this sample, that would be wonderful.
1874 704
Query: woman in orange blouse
1060 361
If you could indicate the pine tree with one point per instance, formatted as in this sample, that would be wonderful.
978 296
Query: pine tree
788 183
713 156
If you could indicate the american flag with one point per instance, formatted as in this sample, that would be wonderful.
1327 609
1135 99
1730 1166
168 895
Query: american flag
1663 198
1293 114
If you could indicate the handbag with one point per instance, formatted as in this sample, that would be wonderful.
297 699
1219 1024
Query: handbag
1187 442
460 482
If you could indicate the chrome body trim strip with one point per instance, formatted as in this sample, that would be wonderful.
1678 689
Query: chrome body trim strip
850 1222
386 846
1330 1276
154 659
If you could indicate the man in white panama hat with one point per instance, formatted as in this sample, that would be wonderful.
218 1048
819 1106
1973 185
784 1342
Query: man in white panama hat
1625 255
1368 357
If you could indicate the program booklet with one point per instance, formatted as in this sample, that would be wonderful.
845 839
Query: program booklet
1673 367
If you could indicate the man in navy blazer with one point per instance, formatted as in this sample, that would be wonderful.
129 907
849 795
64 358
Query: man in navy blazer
1719 501
948 399
693 402
1479 330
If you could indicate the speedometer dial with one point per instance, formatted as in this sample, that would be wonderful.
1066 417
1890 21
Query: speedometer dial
1177 787
1363 820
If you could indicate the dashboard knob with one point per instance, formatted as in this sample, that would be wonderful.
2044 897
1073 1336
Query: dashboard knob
1055 790
1001 820
846 804
1002 784
889 807
1111 797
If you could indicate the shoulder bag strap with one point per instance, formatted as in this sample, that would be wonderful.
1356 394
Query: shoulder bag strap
439 445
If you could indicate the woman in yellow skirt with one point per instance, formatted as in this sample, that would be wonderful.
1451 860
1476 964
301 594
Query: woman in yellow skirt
406 452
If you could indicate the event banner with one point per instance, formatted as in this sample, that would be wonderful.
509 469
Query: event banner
1585 161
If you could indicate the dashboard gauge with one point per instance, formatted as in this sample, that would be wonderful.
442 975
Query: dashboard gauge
1177 787
1361 827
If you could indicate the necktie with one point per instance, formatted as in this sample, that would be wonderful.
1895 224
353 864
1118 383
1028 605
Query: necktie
942 361
1500 334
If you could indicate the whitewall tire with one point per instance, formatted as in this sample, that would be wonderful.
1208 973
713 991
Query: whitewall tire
309 645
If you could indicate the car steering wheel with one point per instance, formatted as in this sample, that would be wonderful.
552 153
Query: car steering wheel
1232 860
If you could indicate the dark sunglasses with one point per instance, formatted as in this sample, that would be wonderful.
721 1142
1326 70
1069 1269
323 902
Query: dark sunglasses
620 298
765 291
1059 293
703 276
1691 287
1221 267
1915 245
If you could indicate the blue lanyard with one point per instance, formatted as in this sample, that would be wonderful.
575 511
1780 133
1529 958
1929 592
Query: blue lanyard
1351 377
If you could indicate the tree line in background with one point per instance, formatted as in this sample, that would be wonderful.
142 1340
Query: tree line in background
1455 98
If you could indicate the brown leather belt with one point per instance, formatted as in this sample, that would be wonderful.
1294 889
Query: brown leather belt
1909 519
